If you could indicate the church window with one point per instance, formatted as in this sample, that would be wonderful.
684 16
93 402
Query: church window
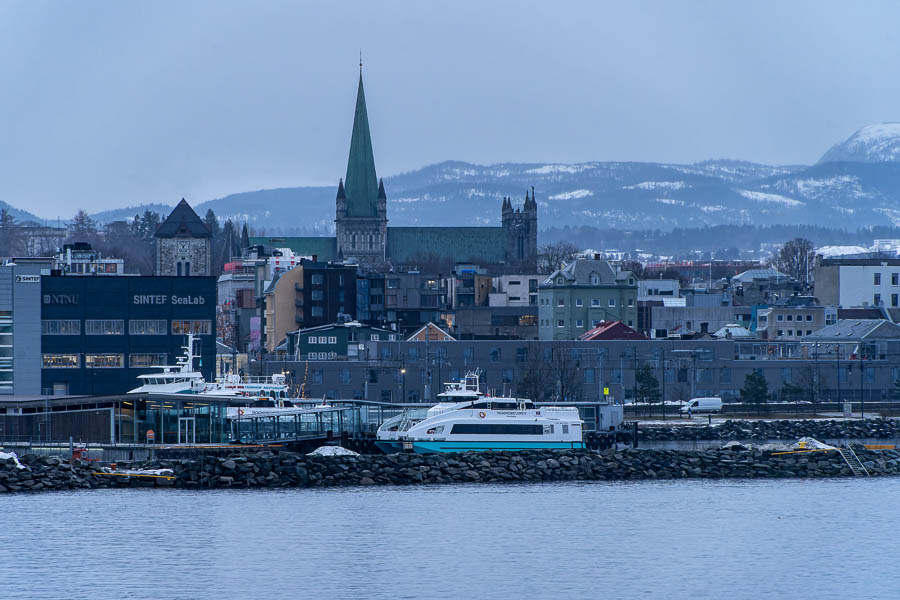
521 248
187 269
353 241
178 269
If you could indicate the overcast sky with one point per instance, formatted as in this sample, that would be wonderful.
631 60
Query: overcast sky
121 103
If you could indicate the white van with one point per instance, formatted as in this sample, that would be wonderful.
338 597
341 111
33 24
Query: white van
699 405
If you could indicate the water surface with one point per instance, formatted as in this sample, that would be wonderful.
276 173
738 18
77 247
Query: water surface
835 538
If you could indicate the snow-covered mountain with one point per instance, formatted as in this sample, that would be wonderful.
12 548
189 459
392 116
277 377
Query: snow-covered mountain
856 184
871 144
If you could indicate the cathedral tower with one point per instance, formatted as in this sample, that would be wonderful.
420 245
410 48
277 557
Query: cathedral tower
520 226
361 206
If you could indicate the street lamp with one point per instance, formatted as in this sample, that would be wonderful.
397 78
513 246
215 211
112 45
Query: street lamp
403 384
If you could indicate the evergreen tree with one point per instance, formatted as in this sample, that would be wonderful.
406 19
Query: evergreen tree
212 222
648 386
755 390
83 228
11 242
245 238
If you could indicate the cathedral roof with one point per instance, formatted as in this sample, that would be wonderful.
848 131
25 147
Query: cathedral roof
361 183
183 221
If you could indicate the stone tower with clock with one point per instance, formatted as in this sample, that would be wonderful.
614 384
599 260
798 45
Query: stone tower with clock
183 244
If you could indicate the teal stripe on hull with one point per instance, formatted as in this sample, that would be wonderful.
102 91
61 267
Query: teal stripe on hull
429 447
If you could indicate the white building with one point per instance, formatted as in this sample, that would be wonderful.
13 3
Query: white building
854 282
514 290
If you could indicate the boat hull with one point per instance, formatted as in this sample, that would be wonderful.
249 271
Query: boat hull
429 447
389 447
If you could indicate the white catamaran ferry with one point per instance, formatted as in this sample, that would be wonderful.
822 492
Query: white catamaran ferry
466 419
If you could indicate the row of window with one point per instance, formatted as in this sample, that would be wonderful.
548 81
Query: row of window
895 300
790 332
579 302
791 317
103 361
117 327
579 323
321 355
895 278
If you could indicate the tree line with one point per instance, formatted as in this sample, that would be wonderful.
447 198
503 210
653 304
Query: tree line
133 240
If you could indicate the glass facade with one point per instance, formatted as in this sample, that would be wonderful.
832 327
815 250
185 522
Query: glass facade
6 352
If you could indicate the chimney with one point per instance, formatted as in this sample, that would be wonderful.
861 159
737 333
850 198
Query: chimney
315 257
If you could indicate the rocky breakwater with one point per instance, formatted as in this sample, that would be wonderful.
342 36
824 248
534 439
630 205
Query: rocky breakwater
776 430
34 473
284 469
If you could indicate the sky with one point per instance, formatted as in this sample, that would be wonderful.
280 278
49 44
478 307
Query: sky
113 104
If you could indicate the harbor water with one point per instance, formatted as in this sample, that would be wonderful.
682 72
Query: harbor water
832 538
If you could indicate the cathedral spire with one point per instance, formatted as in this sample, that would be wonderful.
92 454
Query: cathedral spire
361 182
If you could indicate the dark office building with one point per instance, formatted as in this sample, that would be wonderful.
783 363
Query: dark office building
99 333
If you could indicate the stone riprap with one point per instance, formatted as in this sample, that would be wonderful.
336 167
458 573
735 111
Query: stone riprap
286 469
775 430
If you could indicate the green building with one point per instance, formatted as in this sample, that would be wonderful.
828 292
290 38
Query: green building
579 296
362 233
335 341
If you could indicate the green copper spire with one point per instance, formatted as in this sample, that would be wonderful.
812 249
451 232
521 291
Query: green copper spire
361 183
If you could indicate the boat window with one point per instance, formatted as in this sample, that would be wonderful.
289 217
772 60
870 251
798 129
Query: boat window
496 429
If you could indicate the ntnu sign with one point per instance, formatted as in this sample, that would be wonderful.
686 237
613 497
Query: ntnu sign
143 299
60 298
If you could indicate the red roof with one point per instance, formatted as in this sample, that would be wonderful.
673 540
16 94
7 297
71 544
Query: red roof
612 330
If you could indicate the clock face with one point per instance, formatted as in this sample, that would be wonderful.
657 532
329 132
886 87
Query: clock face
183 247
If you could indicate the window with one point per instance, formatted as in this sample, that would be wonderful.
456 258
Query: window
496 429
809 317
779 317
521 355
894 299
579 323
495 354
780 333
386 396
790 317
595 280
316 294
612 302
60 361
104 327
140 361
374 337
412 353
877 278
104 361
195 327
468 355
579 302
386 353
560 281
316 279
393 283
345 375
142 327
318 376
316 311
313 339
60 327
725 375
786 374
894 278
561 323
631 302
809 332
876 300
588 376
507 375
561 302
595 301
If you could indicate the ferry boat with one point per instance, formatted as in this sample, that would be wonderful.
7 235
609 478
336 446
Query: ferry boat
468 420
262 393
387 438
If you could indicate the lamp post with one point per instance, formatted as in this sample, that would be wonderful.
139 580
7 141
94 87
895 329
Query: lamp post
403 385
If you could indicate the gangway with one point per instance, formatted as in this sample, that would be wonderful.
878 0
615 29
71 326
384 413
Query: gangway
856 467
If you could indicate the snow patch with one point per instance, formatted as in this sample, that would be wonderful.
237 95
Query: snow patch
830 251
551 169
573 195
653 185
764 197
332 451
14 457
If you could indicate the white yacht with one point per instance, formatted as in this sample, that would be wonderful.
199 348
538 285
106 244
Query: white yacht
388 434
466 419
180 379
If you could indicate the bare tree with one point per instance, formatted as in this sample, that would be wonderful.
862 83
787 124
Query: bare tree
796 258
553 256
11 239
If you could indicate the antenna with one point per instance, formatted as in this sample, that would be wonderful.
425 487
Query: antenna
360 61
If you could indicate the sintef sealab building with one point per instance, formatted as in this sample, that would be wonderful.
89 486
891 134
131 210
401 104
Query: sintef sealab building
362 234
